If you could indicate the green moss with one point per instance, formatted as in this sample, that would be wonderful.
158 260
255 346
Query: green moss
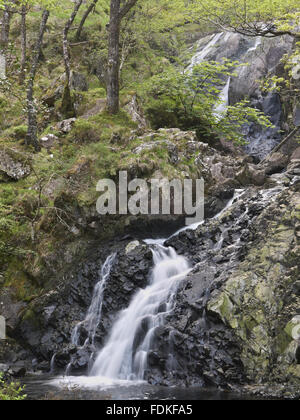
18 280
31 317
17 133
84 132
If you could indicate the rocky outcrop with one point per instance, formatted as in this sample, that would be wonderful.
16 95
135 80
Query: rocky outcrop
13 165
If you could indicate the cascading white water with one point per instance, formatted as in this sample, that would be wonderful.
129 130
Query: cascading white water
219 110
93 317
201 55
125 355
221 107
258 42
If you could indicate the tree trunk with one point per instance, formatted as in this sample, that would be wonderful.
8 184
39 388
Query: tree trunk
113 72
84 18
67 103
4 38
113 88
31 138
23 44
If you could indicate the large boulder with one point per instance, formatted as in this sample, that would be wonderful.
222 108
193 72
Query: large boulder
13 165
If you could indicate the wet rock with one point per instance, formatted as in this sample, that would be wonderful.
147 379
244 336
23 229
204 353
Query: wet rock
47 325
17 371
277 162
42 367
64 356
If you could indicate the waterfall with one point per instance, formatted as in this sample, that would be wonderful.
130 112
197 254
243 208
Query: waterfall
201 55
258 42
237 194
125 355
220 108
132 339
52 364
93 317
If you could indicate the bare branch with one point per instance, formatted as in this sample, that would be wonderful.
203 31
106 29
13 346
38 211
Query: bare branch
126 8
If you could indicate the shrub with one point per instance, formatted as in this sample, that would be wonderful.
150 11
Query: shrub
162 114
189 100
12 391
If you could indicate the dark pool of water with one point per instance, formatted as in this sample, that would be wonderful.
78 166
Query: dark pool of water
51 388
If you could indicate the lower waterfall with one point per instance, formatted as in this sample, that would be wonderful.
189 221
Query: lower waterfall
93 316
125 356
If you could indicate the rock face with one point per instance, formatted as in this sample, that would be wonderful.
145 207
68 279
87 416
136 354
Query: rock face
233 310
13 165
136 112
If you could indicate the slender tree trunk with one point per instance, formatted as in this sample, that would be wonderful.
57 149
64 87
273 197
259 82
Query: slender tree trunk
23 44
113 82
4 39
113 72
84 18
31 138
67 103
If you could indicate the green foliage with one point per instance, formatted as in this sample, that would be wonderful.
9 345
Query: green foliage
189 100
19 132
12 225
261 17
12 391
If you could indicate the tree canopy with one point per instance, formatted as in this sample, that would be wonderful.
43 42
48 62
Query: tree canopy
250 17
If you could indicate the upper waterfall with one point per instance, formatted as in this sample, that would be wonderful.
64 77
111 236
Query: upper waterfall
203 53
260 57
